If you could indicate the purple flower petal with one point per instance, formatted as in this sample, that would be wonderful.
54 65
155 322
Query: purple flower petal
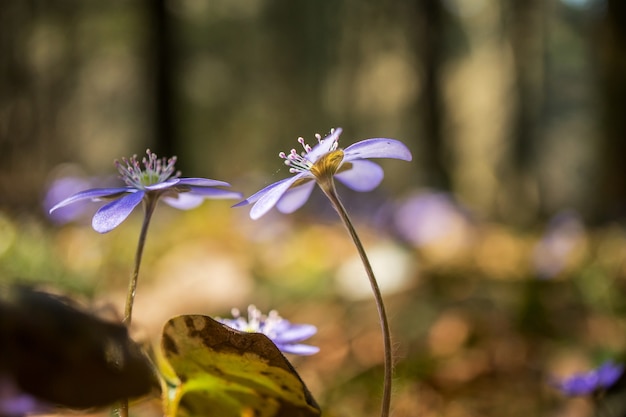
609 373
588 382
158 178
377 148
15 403
280 331
183 201
59 190
256 196
299 349
269 196
163 185
294 333
295 197
324 145
111 215
362 176
427 217
195 196
202 182
579 385
93 194
232 323
358 174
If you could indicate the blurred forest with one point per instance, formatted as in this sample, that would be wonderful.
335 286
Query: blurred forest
503 242
515 106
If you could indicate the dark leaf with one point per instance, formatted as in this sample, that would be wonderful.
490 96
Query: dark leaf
60 354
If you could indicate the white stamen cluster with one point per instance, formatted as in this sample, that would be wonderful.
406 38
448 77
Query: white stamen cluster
257 322
298 162
154 170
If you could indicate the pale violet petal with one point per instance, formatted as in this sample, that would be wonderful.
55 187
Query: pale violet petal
266 198
184 201
295 197
64 187
162 185
216 193
295 333
377 148
256 196
271 196
298 349
324 146
363 175
92 194
196 195
202 182
111 215
232 323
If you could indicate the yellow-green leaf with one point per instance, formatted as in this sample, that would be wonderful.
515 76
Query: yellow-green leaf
226 373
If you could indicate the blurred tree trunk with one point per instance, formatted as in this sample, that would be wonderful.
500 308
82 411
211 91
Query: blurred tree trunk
429 37
611 193
479 82
17 122
526 32
161 66
37 70
302 58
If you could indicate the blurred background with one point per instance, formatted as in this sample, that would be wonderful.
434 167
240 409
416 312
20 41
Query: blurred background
500 248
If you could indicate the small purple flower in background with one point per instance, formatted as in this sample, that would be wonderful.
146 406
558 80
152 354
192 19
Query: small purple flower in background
157 179
350 166
430 217
585 383
62 188
565 233
15 403
280 331
65 186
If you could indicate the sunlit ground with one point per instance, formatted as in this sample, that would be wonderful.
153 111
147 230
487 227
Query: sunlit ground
483 316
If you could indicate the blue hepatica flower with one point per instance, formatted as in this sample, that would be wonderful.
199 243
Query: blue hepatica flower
157 179
589 382
350 166
283 333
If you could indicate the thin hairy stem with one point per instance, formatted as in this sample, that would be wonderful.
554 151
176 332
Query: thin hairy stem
329 189
149 206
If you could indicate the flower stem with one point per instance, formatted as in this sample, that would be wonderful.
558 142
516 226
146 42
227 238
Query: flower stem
328 187
149 206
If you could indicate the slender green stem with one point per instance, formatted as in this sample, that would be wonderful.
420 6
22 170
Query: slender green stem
329 189
149 206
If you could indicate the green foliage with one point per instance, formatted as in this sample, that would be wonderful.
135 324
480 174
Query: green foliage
218 371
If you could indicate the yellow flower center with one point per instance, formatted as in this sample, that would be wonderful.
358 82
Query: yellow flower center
327 165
